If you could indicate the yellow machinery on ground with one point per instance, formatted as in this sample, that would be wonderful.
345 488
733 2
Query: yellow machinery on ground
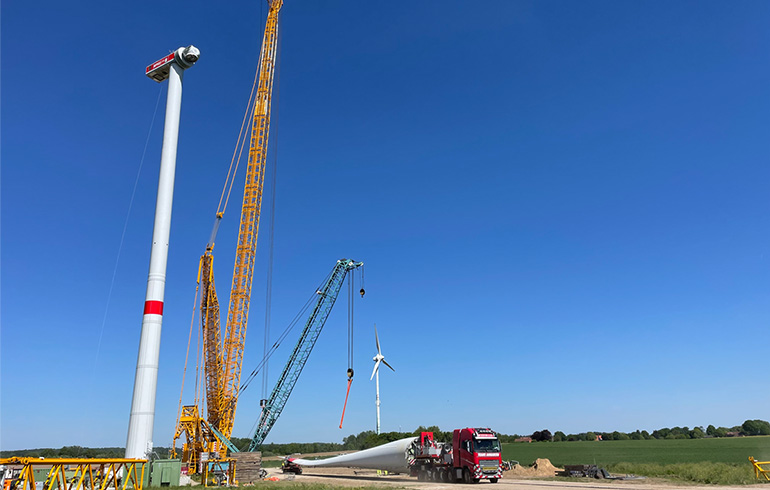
219 473
223 358
758 468
91 474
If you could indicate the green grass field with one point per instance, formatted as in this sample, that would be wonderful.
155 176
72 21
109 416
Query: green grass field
715 461
661 451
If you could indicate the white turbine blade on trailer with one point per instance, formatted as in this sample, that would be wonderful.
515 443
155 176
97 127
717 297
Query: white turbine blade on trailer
374 371
391 457
386 363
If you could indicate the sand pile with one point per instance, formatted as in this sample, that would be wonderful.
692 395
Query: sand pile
541 467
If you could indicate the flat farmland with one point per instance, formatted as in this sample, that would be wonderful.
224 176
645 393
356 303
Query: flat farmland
729 450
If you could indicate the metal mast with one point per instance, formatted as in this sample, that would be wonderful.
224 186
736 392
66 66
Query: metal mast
327 295
142 418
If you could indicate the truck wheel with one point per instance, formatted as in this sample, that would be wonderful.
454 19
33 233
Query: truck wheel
493 480
446 475
467 476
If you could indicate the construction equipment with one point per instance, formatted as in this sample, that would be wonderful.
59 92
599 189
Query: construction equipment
585 470
327 295
472 456
289 466
219 473
223 357
95 474
758 468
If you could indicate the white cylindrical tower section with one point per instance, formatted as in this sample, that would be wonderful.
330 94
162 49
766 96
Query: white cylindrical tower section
140 424
377 382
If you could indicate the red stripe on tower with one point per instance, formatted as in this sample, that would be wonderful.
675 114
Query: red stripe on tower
153 307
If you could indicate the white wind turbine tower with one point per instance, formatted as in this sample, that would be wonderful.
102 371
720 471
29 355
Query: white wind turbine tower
379 358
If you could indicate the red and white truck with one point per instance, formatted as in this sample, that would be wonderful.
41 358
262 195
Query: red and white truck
472 456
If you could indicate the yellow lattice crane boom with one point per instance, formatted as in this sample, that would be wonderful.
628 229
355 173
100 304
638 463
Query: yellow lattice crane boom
223 358
210 327
243 271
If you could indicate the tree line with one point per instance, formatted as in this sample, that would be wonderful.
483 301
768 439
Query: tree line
353 442
754 427
68 452
368 439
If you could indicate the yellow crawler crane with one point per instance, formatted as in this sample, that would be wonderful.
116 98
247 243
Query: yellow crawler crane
222 359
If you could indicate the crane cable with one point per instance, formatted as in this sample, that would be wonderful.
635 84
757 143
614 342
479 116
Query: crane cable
271 234
187 354
238 150
241 142
350 326
224 198
313 297
350 345
362 291
125 227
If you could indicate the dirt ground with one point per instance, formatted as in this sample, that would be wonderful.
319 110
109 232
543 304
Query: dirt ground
535 480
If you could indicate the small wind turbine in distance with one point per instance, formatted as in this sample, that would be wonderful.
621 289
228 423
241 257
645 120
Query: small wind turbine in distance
379 358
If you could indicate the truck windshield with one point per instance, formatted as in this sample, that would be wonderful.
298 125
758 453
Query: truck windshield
487 445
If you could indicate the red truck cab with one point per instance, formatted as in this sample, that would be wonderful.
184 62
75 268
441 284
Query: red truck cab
476 455
472 456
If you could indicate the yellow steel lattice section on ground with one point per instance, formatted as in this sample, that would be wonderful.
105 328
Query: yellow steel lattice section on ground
90 474
760 468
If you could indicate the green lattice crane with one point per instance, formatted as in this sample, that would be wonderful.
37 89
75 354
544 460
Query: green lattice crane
327 295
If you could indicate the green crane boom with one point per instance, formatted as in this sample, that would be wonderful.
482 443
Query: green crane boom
274 405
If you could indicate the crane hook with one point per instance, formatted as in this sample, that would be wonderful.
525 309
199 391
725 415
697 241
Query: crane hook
350 373
362 292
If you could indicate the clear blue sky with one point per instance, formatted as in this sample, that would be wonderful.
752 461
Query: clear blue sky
562 207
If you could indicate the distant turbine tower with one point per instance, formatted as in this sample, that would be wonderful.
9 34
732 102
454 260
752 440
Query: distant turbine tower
379 358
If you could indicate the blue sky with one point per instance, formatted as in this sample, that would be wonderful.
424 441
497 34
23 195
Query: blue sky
548 196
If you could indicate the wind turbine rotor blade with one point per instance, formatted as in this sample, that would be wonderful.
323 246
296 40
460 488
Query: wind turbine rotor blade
376 365
377 339
386 363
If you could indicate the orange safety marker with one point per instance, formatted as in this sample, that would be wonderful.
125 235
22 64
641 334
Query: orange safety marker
350 381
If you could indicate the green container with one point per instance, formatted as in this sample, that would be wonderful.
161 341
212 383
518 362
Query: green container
41 474
165 472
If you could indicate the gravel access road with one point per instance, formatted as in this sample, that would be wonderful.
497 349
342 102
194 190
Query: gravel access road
343 477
